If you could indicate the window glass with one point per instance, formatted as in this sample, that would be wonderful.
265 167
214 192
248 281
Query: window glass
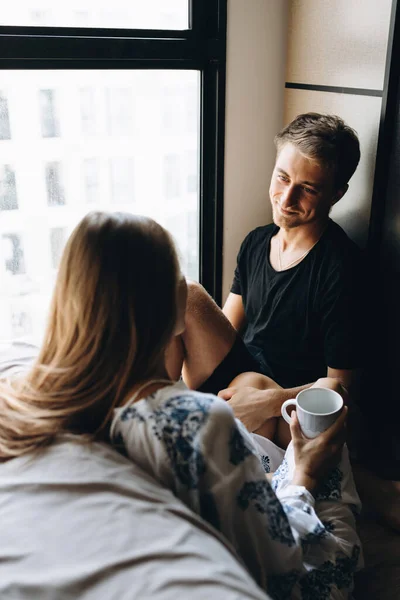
48 117
91 179
172 176
122 180
5 132
88 111
113 151
8 188
58 237
54 187
119 111
135 14
13 254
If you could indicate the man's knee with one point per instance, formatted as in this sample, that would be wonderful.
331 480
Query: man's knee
255 380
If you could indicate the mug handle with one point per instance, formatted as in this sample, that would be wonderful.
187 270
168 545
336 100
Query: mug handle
284 412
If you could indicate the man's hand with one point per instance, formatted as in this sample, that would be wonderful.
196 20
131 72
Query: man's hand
332 384
252 406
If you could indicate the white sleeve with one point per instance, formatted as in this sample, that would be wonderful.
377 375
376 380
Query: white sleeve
239 501
281 539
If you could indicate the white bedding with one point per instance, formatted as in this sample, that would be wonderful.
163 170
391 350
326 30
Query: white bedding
81 521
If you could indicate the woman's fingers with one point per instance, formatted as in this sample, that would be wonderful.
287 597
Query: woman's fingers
337 430
295 429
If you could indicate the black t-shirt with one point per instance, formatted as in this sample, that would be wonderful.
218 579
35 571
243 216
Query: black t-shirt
309 317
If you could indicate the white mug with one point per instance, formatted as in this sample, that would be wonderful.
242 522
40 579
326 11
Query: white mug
317 409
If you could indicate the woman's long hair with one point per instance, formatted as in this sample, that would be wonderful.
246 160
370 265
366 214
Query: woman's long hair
112 315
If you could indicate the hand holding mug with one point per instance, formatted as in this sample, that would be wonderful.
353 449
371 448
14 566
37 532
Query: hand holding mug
315 457
317 409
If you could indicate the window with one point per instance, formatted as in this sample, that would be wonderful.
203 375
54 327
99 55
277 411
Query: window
91 179
172 176
135 14
13 254
119 111
54 187
8 189
122 180
58 237
119 107
5 133
192 170
48 118
21 324
88 111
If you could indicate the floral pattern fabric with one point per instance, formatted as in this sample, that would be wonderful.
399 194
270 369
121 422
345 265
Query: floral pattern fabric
295 548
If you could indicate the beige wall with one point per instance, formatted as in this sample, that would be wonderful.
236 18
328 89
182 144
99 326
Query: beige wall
341 43
256 62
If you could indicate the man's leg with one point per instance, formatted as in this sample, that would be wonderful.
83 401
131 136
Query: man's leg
275 429
205 343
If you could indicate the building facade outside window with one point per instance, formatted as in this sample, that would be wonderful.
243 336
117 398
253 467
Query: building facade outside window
108 119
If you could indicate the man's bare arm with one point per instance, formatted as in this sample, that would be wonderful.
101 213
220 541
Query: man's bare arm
254 406
234 311
349 379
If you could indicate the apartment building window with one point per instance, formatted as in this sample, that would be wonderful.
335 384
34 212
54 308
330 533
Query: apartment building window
172 176
54 185
48 114
21 323
119 111
88 112
5 132
13 253
122 180
8 188
91 181
58 237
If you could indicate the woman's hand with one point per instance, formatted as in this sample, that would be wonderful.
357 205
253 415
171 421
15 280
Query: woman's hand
315 457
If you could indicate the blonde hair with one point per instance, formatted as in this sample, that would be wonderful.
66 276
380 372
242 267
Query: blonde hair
112 314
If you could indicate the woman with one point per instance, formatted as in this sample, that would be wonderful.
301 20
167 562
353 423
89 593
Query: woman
119 299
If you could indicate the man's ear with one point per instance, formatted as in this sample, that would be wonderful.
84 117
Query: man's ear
339 194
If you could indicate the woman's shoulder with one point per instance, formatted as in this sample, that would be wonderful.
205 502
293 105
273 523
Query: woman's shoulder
176 405
179 400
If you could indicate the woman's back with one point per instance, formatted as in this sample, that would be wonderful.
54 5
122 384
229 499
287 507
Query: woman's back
80 521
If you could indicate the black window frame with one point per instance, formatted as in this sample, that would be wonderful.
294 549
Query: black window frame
201 47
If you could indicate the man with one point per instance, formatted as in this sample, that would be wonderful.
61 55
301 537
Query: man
295 291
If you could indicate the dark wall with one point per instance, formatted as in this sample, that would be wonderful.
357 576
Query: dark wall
381 390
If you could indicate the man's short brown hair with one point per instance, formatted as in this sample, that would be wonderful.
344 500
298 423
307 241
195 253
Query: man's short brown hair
326 139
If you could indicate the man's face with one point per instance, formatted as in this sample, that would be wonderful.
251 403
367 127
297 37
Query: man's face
302 191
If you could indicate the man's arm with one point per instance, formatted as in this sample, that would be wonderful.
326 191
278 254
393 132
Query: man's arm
254 406
349 379
234 310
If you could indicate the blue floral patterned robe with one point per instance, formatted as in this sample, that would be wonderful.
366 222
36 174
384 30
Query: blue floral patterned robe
295 546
